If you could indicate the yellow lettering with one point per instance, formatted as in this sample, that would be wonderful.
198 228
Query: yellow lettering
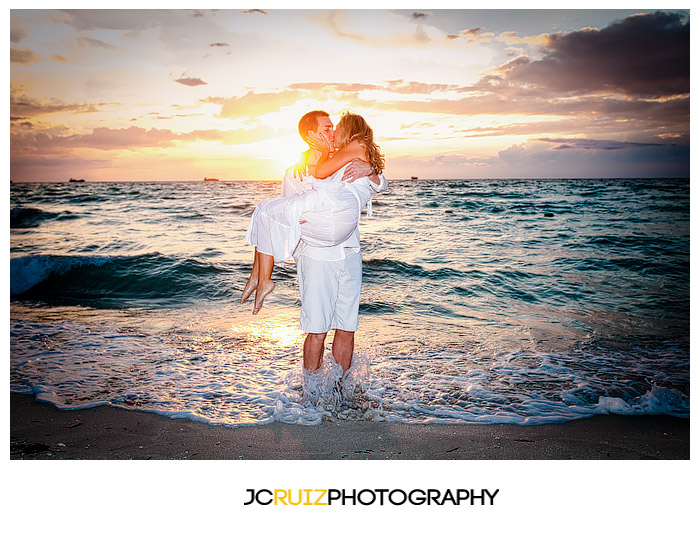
281 495
307 503
323 494
290 498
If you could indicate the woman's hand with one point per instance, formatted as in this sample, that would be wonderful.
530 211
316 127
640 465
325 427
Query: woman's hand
318 142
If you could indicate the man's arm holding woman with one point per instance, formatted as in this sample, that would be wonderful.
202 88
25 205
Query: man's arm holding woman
352 154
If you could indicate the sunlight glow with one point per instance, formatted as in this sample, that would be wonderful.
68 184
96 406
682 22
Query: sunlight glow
165 95
273 333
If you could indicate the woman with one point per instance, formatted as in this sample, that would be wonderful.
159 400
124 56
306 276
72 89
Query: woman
329 212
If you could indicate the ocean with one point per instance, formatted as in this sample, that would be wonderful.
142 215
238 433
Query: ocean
483 301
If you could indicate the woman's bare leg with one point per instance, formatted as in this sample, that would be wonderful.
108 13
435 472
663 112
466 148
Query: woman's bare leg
265 283
252 283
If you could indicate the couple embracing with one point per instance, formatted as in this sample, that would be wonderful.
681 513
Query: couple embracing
315 222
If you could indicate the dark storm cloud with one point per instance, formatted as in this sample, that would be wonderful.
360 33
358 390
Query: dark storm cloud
642 55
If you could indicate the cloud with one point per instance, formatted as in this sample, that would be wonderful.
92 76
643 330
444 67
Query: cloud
92 42
192 82
351 88
598 145
125 138
219 45
22 56
382 30
473 32
537 159
261 11
57 139
21 105
642 55
253 104
401 86
17 33
416 15
113 19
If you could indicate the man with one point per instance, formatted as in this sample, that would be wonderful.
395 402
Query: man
330 278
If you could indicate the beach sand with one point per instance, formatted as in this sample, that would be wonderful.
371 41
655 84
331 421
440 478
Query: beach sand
41 431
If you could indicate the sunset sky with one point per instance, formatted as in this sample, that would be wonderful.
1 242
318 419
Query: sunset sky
183 94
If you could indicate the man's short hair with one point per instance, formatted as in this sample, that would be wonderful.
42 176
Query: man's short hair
310 122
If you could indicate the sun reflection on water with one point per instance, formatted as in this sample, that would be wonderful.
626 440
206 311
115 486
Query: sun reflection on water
274 332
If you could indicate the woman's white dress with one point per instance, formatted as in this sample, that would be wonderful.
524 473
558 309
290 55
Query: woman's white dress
331 210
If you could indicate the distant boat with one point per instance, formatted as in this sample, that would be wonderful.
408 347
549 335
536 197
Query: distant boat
207 179
76 180
414 178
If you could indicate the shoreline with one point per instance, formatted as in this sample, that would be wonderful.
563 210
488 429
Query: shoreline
39 430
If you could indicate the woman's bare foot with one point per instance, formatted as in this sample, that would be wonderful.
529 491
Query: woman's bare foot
264 288
250 286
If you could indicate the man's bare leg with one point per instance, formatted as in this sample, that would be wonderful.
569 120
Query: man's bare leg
265 283
343 347
313 350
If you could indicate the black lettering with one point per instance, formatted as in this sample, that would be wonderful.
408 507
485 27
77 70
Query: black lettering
391 496
381 495
434 494
257 497
352 496
359 497
333 494
420 500
492 496
448 496
462 495
476 497
252 497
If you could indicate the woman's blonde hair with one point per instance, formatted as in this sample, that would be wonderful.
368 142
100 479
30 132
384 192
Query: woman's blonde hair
354 127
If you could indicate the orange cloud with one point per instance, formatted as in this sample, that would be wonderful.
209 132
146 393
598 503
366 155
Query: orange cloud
254 104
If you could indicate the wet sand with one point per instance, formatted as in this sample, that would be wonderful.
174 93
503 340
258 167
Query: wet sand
40 431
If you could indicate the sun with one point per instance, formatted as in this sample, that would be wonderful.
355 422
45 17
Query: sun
287 150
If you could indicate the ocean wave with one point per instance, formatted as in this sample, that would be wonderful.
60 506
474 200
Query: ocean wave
656 401
150 276
379 267
25 217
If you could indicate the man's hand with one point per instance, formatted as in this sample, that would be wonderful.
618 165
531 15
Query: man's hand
357 169
300 170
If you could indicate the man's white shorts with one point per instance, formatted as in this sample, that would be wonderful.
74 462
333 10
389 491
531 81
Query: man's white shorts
330 293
